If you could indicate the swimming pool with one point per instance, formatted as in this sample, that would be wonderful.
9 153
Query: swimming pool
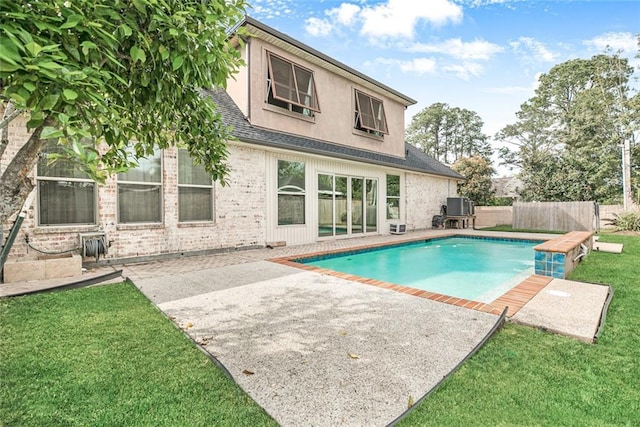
478 269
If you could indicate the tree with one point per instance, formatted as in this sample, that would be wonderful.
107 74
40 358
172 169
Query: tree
567 136
111 80
478 172
447 133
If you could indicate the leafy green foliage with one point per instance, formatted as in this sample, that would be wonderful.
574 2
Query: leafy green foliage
626 221
567 136
97 71
448 133
478 172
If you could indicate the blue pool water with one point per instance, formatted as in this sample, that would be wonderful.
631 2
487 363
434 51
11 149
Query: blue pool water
471 268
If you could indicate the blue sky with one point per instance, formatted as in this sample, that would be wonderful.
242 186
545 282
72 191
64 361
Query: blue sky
482 55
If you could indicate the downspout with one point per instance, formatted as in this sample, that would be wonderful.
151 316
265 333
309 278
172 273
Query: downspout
13 233
247 47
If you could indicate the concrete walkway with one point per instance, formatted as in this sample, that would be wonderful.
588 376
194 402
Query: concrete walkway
318 350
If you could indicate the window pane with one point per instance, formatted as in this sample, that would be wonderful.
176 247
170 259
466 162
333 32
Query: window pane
291 176
60 168
292 85
290 209
282 76
380 119
189 173
306 88
393 208
148 170
371 198
139 203
363 104
393 185
195 204
64 202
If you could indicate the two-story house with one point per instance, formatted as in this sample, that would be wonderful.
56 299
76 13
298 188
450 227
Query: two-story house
319 154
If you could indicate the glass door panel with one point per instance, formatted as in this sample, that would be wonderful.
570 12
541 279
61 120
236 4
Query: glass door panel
341 216
357 206
325 205
371 210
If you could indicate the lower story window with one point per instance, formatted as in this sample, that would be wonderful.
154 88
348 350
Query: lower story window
393 196
139 203
195 190
66 202
66 194
291 192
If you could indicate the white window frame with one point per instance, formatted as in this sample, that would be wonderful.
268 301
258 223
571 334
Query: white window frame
209 187
151 184
62 179
291 190
393 197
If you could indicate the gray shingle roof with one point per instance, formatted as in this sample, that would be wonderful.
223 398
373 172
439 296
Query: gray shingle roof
414 160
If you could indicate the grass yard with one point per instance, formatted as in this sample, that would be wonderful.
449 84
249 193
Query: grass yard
106 356
526 377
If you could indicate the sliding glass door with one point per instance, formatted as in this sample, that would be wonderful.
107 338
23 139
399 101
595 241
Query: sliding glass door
346 205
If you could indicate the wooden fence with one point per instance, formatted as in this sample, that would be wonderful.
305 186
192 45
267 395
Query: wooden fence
562 216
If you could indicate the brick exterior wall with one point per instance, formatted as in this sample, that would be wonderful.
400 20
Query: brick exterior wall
239 213
424 195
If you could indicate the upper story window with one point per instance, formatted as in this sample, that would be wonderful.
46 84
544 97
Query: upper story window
66 194
140 191
291 86
195 190
369 115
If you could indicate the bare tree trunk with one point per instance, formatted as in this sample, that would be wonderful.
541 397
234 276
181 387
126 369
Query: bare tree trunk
15 184
627 188
8 115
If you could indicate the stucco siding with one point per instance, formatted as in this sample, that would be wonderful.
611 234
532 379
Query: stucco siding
335 122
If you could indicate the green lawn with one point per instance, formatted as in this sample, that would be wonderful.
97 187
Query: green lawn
106 356
526 377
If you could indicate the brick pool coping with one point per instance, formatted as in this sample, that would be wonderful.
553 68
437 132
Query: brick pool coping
514 299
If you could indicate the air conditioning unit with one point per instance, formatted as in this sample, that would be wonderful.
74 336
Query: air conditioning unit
457 206
397 228
472 208
93 244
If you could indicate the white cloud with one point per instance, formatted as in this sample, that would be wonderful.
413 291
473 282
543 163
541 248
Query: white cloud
318 27
625 42
398 18
346 14
387 20
419 65
533 49
464 70
477 49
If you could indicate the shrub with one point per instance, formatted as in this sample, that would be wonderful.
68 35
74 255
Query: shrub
626 221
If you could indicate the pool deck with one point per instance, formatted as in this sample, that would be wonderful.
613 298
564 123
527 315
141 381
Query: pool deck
514 299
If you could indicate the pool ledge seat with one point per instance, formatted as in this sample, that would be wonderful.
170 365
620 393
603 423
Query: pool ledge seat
559 256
